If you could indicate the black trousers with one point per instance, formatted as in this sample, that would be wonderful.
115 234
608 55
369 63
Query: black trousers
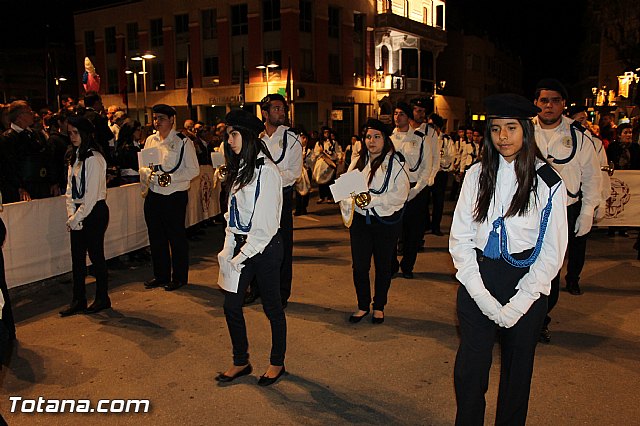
265 268
90 239
576 253
286 232
165 218
413 227
324 191
477 337
436 196
7 312
379 240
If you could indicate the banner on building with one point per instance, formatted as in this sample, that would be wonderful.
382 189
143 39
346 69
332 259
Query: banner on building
623 208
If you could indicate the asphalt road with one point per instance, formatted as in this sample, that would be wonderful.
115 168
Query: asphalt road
167 347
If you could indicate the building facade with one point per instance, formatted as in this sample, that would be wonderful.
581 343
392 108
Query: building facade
341 57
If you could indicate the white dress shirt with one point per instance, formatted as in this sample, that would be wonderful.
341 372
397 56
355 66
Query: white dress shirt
170 148
391 200
447 152
291 165
409 144
95 188
266 210
582 173
522 233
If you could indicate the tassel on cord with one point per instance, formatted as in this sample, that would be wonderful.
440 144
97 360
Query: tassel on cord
492 249
232 216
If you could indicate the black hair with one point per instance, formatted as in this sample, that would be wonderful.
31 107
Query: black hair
377 162
87 144
241 167
525 168
90 99
128 128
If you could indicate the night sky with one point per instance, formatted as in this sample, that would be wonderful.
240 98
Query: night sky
545 38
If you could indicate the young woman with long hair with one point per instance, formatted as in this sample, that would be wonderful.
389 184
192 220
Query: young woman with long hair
88 214
508 239
127 148
374 228
252 245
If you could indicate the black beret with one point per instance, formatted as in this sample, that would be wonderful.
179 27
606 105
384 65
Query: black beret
265 103
375 124
437 120
426 103
243 118
81 123
574 109
621 127
164 109
510 105
552 84
406 108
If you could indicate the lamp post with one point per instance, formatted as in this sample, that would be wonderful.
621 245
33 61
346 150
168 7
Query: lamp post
144 59
266 67
135 90
58 80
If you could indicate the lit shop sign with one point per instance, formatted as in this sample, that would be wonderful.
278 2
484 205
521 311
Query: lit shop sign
224 100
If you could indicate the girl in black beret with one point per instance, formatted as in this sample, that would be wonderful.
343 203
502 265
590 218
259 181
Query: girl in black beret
88 215
508 239
252 245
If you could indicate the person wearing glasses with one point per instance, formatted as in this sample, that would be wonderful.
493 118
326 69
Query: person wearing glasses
286 151
508 239
165 204
569 148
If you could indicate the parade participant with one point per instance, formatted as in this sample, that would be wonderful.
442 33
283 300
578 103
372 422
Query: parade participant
416 149
326 153
470 152
374 227
447 153
303 184
6 313
570 150
252 244
508 238
286 151
165 205
88 215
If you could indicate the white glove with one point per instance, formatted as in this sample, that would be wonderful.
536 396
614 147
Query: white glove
583 224
508 316
237 262
488 304
225 254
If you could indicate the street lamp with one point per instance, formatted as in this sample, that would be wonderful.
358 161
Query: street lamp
58 80
144 59
264 67
135 89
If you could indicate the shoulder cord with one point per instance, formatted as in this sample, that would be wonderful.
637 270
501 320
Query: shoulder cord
284 148
490 249
75 193
413 169
384 187
179 161
234 214
574 140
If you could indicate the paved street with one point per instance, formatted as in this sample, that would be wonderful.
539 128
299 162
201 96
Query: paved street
168 347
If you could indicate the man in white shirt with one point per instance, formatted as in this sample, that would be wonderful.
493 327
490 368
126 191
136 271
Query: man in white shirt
570 150
415 146
165 205
286 150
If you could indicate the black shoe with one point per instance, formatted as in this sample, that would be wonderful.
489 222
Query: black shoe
98 306
395 268
375 320
407 275
154 282
573 288
545 335
75 308
354 319
174 285
266 381
437 232
226 379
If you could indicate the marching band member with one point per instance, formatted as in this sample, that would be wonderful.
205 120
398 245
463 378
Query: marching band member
374 226
416 148
88 215
447 154
508 239
252 244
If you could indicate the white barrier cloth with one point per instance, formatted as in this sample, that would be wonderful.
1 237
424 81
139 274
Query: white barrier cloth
623 208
